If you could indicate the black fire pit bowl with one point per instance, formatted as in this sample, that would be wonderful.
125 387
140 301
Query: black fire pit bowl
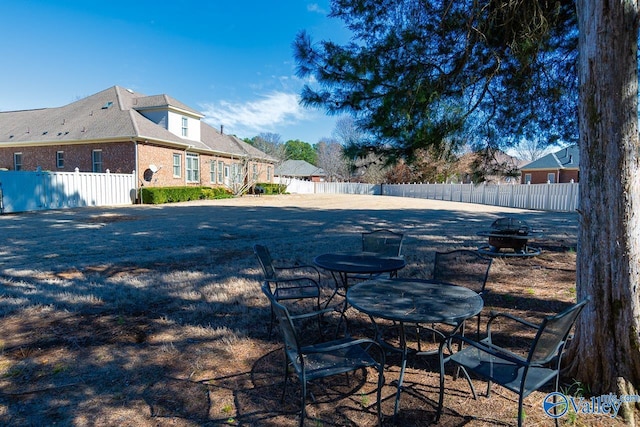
509 233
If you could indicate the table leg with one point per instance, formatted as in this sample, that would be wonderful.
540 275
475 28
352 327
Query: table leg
403 365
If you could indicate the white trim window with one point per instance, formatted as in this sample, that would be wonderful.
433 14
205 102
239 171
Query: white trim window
220 171
212 172
236 177
177 165
551 178
60 159
527 178
192 167
185 127
255 172
96 160
268 173
17 161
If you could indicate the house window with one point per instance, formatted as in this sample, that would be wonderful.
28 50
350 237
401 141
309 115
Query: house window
177 165
192 168
60 159
96 159
527 178
212 173
234 173
268 173
551 178
185 127
17 161
220 170
255 172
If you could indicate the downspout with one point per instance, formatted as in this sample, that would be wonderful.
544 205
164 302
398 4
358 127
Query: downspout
135 171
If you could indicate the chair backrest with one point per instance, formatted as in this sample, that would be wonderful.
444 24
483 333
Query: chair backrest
462 267
289 335
266 262
384 242
553 333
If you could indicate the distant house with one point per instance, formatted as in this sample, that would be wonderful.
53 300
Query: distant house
561 166
163 141
300 169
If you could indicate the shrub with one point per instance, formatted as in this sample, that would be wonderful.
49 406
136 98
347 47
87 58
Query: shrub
270 188
159 195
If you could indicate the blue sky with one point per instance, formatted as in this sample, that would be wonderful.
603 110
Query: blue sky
231 60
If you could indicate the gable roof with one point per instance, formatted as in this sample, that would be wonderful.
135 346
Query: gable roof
111 115
567 158
298 168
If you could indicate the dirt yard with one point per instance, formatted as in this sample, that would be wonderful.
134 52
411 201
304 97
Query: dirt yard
153 316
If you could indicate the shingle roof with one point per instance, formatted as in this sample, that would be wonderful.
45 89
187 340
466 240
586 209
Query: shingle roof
113 114
295 168
567 158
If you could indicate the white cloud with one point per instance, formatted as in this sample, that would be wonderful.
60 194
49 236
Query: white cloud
267 114
314 7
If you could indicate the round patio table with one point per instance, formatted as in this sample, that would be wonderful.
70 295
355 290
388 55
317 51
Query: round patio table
414 301
345 264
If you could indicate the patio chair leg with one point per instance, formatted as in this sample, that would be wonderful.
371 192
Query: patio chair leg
441 397
303 384
286 378
520 409
271 322
379 393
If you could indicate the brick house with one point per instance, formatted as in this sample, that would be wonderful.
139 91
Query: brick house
559 167
163 141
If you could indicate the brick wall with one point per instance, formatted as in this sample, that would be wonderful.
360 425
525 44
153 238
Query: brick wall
541 176
162 158
118 157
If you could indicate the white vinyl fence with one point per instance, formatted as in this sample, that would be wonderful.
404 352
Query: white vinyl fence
549 197
29 191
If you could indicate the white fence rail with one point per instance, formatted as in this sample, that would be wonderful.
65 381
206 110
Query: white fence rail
549 197
29 191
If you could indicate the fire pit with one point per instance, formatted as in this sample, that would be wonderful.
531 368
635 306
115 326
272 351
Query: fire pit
512 234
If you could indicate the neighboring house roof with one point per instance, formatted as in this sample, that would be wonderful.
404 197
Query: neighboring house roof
295 168
115 114
567 158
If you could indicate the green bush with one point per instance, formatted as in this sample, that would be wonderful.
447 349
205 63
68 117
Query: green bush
270 188
159 195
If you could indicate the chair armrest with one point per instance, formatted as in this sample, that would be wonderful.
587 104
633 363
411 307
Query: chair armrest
485 347
312 313
293 280
341 344
493 315
299 267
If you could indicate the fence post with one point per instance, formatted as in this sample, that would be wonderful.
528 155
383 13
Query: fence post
571 205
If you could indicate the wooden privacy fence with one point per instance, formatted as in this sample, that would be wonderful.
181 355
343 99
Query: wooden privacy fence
29 191
549 197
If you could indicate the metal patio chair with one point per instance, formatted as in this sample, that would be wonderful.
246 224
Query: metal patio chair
466 268
324 359
383 242
460 267
289 283
521 375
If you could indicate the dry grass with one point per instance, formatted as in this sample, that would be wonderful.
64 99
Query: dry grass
152 316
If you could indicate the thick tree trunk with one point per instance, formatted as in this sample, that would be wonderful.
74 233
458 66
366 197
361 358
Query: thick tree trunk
606 351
